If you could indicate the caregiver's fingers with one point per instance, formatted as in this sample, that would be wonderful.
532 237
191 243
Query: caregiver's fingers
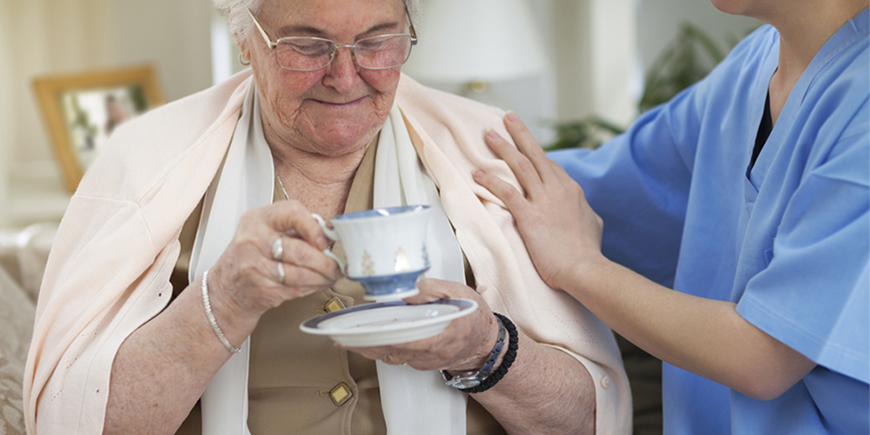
512 198
522 167
527 145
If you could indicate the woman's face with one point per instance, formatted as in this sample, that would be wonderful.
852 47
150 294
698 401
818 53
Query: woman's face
336 110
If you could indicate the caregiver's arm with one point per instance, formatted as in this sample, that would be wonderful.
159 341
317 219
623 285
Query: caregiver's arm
546 391
163 368
563 235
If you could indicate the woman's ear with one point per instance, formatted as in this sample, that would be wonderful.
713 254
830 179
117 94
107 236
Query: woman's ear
244 52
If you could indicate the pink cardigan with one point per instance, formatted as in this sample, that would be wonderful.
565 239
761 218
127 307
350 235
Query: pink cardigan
108 272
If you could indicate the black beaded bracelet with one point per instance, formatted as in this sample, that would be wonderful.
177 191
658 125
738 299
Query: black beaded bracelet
509 357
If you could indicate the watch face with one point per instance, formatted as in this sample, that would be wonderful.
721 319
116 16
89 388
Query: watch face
463 383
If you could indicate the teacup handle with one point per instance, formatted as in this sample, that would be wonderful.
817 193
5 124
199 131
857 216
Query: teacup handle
333 235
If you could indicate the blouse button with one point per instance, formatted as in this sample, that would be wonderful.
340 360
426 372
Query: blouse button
340 394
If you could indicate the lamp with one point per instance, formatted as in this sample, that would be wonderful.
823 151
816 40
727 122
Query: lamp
476 43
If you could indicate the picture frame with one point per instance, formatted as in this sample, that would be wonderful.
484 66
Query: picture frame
82 109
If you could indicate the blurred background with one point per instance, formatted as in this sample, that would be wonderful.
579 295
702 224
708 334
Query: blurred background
568 67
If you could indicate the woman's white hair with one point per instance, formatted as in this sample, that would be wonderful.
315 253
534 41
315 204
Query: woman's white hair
240 23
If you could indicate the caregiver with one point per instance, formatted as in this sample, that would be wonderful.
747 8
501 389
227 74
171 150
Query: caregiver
748 195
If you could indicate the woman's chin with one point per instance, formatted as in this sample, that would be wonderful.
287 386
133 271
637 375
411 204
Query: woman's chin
341 143
338 138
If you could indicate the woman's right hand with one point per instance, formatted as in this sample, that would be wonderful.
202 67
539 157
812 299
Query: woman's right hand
244 283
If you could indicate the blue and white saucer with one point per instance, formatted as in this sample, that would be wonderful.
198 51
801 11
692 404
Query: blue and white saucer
387 323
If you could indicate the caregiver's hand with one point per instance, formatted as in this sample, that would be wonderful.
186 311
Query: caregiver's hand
560 229
464 345
246 280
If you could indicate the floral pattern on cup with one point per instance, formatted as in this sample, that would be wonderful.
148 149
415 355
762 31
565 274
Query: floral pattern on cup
367 266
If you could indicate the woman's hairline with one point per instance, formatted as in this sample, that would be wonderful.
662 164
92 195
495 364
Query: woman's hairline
241 26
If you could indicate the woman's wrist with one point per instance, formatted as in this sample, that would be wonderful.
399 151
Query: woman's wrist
234 323
482 350
478 381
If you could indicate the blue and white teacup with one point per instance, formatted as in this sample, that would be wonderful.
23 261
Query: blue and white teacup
384 248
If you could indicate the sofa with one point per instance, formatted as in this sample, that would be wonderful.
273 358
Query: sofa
22 262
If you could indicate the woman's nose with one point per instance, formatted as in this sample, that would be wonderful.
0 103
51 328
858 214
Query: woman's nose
343 72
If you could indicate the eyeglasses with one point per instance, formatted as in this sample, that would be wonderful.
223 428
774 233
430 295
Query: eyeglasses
309 53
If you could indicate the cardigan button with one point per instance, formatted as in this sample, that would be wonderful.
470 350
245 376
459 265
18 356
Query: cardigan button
334 304
340 394
605 382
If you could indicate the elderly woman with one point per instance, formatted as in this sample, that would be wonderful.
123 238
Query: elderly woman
220 187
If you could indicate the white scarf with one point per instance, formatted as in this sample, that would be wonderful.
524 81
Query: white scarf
411 400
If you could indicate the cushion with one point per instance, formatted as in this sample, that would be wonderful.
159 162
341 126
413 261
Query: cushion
17 312
24 253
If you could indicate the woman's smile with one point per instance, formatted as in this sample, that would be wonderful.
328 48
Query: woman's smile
339 104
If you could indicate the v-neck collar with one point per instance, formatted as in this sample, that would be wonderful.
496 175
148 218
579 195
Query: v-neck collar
851 32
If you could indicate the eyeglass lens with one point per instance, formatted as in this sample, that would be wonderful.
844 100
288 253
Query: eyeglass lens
377 52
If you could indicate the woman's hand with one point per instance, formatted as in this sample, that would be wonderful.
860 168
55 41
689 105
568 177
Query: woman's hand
246 280
560 229
464 345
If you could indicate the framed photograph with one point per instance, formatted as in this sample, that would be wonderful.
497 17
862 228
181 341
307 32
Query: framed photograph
81 111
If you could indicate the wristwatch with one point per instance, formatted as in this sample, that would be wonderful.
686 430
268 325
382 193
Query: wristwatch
472 378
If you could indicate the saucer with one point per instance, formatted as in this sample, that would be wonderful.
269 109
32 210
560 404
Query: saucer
386 323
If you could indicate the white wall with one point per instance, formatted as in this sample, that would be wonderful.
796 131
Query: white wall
595 48
175 34
659 20
5 107
590 50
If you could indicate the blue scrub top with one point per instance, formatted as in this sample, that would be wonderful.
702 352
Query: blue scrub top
788 241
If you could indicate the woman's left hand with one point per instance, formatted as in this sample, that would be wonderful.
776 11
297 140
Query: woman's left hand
464 345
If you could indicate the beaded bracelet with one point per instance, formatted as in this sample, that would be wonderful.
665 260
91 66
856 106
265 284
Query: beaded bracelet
206 303
509 357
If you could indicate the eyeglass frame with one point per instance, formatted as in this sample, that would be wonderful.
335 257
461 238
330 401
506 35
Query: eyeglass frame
274 44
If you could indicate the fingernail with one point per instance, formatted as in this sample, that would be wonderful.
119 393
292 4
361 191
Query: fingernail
477 173
511 116
490 133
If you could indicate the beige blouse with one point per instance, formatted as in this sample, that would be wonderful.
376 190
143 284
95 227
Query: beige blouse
301 383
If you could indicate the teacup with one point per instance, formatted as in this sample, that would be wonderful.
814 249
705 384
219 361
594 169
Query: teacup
384 248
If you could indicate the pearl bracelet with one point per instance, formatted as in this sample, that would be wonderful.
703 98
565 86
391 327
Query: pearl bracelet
211 320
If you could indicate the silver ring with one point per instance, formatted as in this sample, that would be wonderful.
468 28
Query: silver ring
281 274
278 249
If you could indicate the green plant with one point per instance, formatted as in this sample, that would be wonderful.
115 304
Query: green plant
684 61
589 132
79 118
